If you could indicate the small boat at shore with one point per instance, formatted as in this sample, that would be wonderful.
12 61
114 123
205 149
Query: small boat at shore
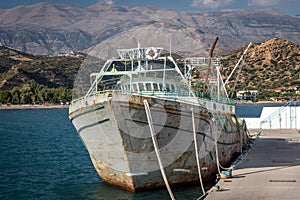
146 114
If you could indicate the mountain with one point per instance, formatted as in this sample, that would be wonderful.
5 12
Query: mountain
267 65
48 28
53 71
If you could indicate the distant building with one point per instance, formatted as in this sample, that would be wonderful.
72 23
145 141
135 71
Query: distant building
247 94
283 90
292 88
278 90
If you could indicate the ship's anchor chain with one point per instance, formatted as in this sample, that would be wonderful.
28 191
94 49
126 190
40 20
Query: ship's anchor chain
150 122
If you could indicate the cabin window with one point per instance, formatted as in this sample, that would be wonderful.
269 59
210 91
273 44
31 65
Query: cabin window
155 87
173 87
148 86
141 87
161 87
134 87
167 87
128 86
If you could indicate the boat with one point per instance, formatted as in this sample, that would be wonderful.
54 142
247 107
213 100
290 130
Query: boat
147 114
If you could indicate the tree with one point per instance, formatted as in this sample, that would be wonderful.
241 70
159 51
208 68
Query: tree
5 96
26 93
15 93
32 92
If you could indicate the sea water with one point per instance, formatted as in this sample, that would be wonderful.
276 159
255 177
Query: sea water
42 157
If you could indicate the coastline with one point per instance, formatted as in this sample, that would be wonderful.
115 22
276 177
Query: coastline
264 103
31 107
59 106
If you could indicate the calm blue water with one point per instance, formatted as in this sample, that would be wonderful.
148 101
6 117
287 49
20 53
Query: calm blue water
253 110
42 157
248 111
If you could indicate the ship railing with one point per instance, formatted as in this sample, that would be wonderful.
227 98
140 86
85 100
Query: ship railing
95 93
213 97
175 96
159 93
202 61
168 94
198 94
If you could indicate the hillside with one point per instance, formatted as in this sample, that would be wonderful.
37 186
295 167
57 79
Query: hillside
52 71
270 64
46 28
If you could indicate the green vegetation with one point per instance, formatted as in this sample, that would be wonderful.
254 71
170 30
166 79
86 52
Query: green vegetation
52 71
34 93
268 65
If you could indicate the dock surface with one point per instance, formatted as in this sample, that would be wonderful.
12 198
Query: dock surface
270 170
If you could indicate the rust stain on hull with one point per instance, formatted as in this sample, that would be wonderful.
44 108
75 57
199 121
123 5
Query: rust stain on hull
112 176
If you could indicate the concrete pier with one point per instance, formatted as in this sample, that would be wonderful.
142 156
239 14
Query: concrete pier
270 170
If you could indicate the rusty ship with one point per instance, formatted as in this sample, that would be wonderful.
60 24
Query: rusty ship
186 98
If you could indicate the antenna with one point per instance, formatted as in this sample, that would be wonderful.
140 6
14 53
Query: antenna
170 46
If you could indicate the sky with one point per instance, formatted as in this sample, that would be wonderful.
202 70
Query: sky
291 7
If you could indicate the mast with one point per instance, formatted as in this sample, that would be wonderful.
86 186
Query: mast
210 57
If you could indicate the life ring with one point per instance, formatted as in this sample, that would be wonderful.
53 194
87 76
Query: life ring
151 53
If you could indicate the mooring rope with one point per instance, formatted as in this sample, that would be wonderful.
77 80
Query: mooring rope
196 149
217 157
216 146
150 122
216 143
217 153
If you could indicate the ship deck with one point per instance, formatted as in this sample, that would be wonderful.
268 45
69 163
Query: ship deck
270 170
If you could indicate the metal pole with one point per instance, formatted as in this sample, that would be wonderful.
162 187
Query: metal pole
295 103
164 74
209 60
279 120
237 64
290 116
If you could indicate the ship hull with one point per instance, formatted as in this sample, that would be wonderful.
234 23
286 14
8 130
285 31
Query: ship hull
116 134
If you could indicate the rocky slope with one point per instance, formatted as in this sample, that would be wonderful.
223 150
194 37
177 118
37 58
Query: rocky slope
48 28
270 64
53 71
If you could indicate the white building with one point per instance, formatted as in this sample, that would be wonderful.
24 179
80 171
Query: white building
284 117
247 94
